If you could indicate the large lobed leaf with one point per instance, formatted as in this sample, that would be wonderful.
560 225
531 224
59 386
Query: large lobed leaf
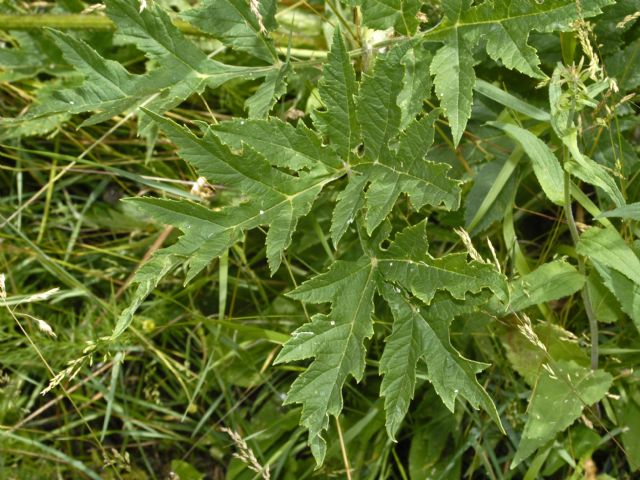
336 341
272 197
394 159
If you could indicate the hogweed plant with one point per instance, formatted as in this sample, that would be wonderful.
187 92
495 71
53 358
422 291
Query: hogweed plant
423 252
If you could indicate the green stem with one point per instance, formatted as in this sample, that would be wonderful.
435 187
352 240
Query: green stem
104 24
575 236
343 21
75 22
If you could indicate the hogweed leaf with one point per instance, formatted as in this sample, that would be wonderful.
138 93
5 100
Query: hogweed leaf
249 172
338 90
403 348
233 23
104 79
153 32
377 109
409 172
399 14
422 333
416 84
335 341
277 199
505 25
348 204
451 374
454 79
269 92
407 263
274 198
295 148
109 90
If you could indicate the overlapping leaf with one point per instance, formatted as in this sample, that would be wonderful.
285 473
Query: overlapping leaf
399 14
505 25
233 23
393 162
336 341
272 198
109 90
286 146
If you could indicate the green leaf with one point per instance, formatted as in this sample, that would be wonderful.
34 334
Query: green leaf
109 90
628 414
338 90
154 34
274 198
407 263
107 86
233 23
545 164
105 80
283 144
269 92
550 281
185 471
416 84
419 336
528 359
492 192
378 112
630 211
33 55
399 14
626 291
591 172
430 452
624 66
425 182
606 247
348 204
511 102
557 402
393 162
335 341
505 25
450 373
403 348
605 306
454 79
277 199
206 234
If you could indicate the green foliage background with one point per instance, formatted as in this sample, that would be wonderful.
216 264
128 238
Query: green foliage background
368 239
